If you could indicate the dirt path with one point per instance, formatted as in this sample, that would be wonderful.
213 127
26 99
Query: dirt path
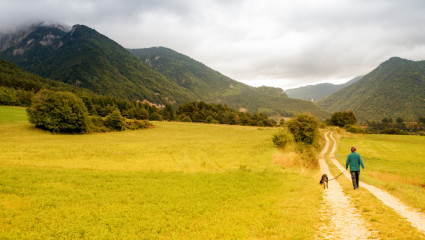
416 218
339 220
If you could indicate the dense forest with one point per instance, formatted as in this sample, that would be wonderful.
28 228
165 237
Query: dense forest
18 87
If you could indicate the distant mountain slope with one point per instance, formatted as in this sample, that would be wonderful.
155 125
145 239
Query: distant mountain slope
212 86
319 91
85 58
396 88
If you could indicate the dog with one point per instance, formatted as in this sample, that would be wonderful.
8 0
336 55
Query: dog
324 181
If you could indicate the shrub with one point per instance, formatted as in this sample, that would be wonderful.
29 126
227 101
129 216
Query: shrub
354 129
155 117
97 124
115 121
304 128
281 139
61 112
209 119
137 124
394 131
186 119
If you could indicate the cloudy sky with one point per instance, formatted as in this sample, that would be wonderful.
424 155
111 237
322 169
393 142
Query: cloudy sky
281 43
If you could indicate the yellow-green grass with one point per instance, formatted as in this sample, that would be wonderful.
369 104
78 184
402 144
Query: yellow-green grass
174 181
12 114
394 163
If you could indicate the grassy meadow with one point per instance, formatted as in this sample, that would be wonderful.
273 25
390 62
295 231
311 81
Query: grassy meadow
394 163
174 181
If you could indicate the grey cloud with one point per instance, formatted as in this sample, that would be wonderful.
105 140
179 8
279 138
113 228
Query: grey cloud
276 42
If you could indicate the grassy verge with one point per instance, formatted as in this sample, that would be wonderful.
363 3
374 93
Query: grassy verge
394 163
174 181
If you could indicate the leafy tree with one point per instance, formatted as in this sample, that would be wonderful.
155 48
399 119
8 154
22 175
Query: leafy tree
115 121
61 112
168 113
304 128
342 118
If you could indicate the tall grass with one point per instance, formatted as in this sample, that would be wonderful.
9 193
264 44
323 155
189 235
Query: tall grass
174 181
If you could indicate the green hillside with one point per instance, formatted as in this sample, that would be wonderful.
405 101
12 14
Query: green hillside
318 91
85 58
12 76
211 86
395 89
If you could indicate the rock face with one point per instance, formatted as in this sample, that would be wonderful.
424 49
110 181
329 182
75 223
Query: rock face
8 40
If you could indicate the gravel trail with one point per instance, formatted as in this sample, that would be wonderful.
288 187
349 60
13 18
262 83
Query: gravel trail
339 219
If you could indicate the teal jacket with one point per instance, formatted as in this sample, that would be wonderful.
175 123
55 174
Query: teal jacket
354 160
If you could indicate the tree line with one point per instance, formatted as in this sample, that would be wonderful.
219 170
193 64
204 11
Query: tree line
348 120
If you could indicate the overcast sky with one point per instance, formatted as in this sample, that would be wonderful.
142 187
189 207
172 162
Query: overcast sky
281 43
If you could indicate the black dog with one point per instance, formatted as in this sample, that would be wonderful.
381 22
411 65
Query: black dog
324 181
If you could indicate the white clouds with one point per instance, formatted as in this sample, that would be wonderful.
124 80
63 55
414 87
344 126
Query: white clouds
280 43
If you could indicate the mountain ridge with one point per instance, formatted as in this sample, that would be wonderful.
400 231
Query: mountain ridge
85 58
197 77
319 91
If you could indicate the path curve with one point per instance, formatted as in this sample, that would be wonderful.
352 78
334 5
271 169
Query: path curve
338 217
417 219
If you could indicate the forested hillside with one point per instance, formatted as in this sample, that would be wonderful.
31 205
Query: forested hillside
395 89
85 58
212 86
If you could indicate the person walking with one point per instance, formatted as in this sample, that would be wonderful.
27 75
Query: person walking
354 160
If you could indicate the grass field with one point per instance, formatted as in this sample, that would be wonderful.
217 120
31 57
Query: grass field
174 181
394 163
12 114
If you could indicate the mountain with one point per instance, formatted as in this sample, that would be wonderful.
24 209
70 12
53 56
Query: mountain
211 86
319 91
82 57
395 89
85 58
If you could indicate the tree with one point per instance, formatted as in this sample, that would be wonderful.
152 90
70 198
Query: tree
115 121
61 112
168 113
304 128
343 118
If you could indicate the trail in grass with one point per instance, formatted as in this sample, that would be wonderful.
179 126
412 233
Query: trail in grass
339 220
416 218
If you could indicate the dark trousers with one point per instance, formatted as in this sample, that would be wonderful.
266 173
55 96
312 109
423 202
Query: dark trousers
355 177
